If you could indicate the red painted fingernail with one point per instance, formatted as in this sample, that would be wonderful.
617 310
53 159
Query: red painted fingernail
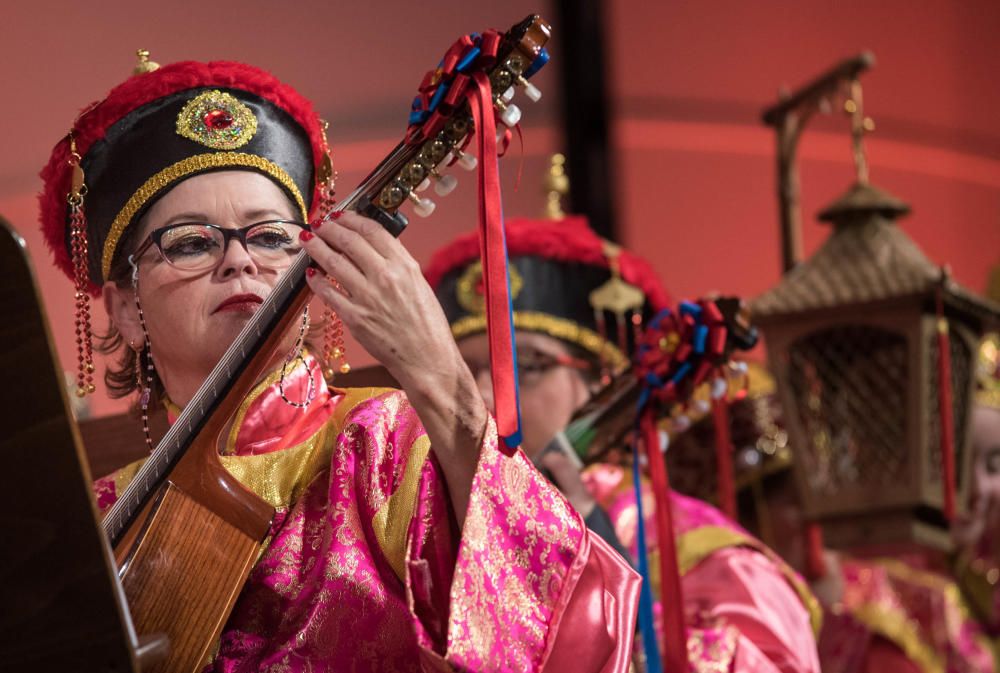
310 271
336 214
315 225
305 235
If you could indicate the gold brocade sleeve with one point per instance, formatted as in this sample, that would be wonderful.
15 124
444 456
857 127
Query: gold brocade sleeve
392 521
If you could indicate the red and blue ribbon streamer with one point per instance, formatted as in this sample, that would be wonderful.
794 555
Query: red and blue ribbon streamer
461 76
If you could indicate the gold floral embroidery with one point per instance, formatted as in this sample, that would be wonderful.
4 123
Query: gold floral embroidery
512 563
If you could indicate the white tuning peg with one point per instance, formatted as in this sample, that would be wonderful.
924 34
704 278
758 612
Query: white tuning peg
511 116
422 207
531 91
424 184
445 184
466 161
508 95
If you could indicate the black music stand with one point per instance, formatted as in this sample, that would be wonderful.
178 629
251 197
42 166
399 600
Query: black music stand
61 605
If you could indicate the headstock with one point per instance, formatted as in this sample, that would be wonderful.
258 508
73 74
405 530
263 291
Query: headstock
676 352
441 123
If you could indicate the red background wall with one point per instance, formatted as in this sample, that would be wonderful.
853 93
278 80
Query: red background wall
694 170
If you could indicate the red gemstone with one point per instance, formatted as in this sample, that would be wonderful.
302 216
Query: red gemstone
217 120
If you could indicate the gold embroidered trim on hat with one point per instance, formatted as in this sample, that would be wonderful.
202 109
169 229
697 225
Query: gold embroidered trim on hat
217 120
182 169
469 288
560 328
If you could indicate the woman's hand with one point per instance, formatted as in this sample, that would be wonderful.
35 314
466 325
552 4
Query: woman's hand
391 310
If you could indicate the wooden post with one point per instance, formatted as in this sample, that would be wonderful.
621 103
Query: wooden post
789 117
585 112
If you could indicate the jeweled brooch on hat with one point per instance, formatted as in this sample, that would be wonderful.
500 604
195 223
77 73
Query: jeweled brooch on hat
471 289
218 120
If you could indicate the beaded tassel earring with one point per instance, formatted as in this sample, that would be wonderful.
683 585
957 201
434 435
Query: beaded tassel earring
326 180
333 344
296 356
144 349
145 389
81 277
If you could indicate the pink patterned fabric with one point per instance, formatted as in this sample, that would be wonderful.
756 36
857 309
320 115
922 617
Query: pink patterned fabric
743 613
913 617
523 582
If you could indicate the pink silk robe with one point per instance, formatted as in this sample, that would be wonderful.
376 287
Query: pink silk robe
746 610
365 569
898 616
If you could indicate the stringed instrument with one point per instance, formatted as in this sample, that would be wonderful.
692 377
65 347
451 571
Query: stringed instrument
186 533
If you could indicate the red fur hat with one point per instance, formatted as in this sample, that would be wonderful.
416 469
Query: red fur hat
144 137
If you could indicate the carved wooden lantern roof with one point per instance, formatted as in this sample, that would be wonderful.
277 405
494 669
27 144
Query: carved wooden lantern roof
867 258
853 339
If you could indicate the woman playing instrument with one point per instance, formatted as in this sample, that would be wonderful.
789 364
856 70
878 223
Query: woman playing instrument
403 538
745 610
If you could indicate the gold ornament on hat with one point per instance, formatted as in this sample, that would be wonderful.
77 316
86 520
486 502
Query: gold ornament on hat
621 299
218 120
556 187
616 296
144 65
469 288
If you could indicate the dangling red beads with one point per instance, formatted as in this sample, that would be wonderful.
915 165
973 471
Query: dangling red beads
333 344
81 277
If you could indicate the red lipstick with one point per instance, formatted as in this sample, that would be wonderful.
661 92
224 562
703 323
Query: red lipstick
240 302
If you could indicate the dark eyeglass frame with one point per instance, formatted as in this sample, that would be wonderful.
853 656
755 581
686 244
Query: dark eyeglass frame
156 236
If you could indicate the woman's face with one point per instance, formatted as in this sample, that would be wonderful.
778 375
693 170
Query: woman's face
192 317
985 429
549 394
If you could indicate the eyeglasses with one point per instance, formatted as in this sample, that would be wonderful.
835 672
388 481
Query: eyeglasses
532 365
198 246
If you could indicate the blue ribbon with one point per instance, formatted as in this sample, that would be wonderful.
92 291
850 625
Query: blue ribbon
647 625
538 63
513 441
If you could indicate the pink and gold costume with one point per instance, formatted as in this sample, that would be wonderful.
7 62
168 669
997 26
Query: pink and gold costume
746 610
365 568
900 615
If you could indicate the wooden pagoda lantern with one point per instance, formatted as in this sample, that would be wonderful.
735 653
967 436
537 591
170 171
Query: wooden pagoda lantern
855 337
